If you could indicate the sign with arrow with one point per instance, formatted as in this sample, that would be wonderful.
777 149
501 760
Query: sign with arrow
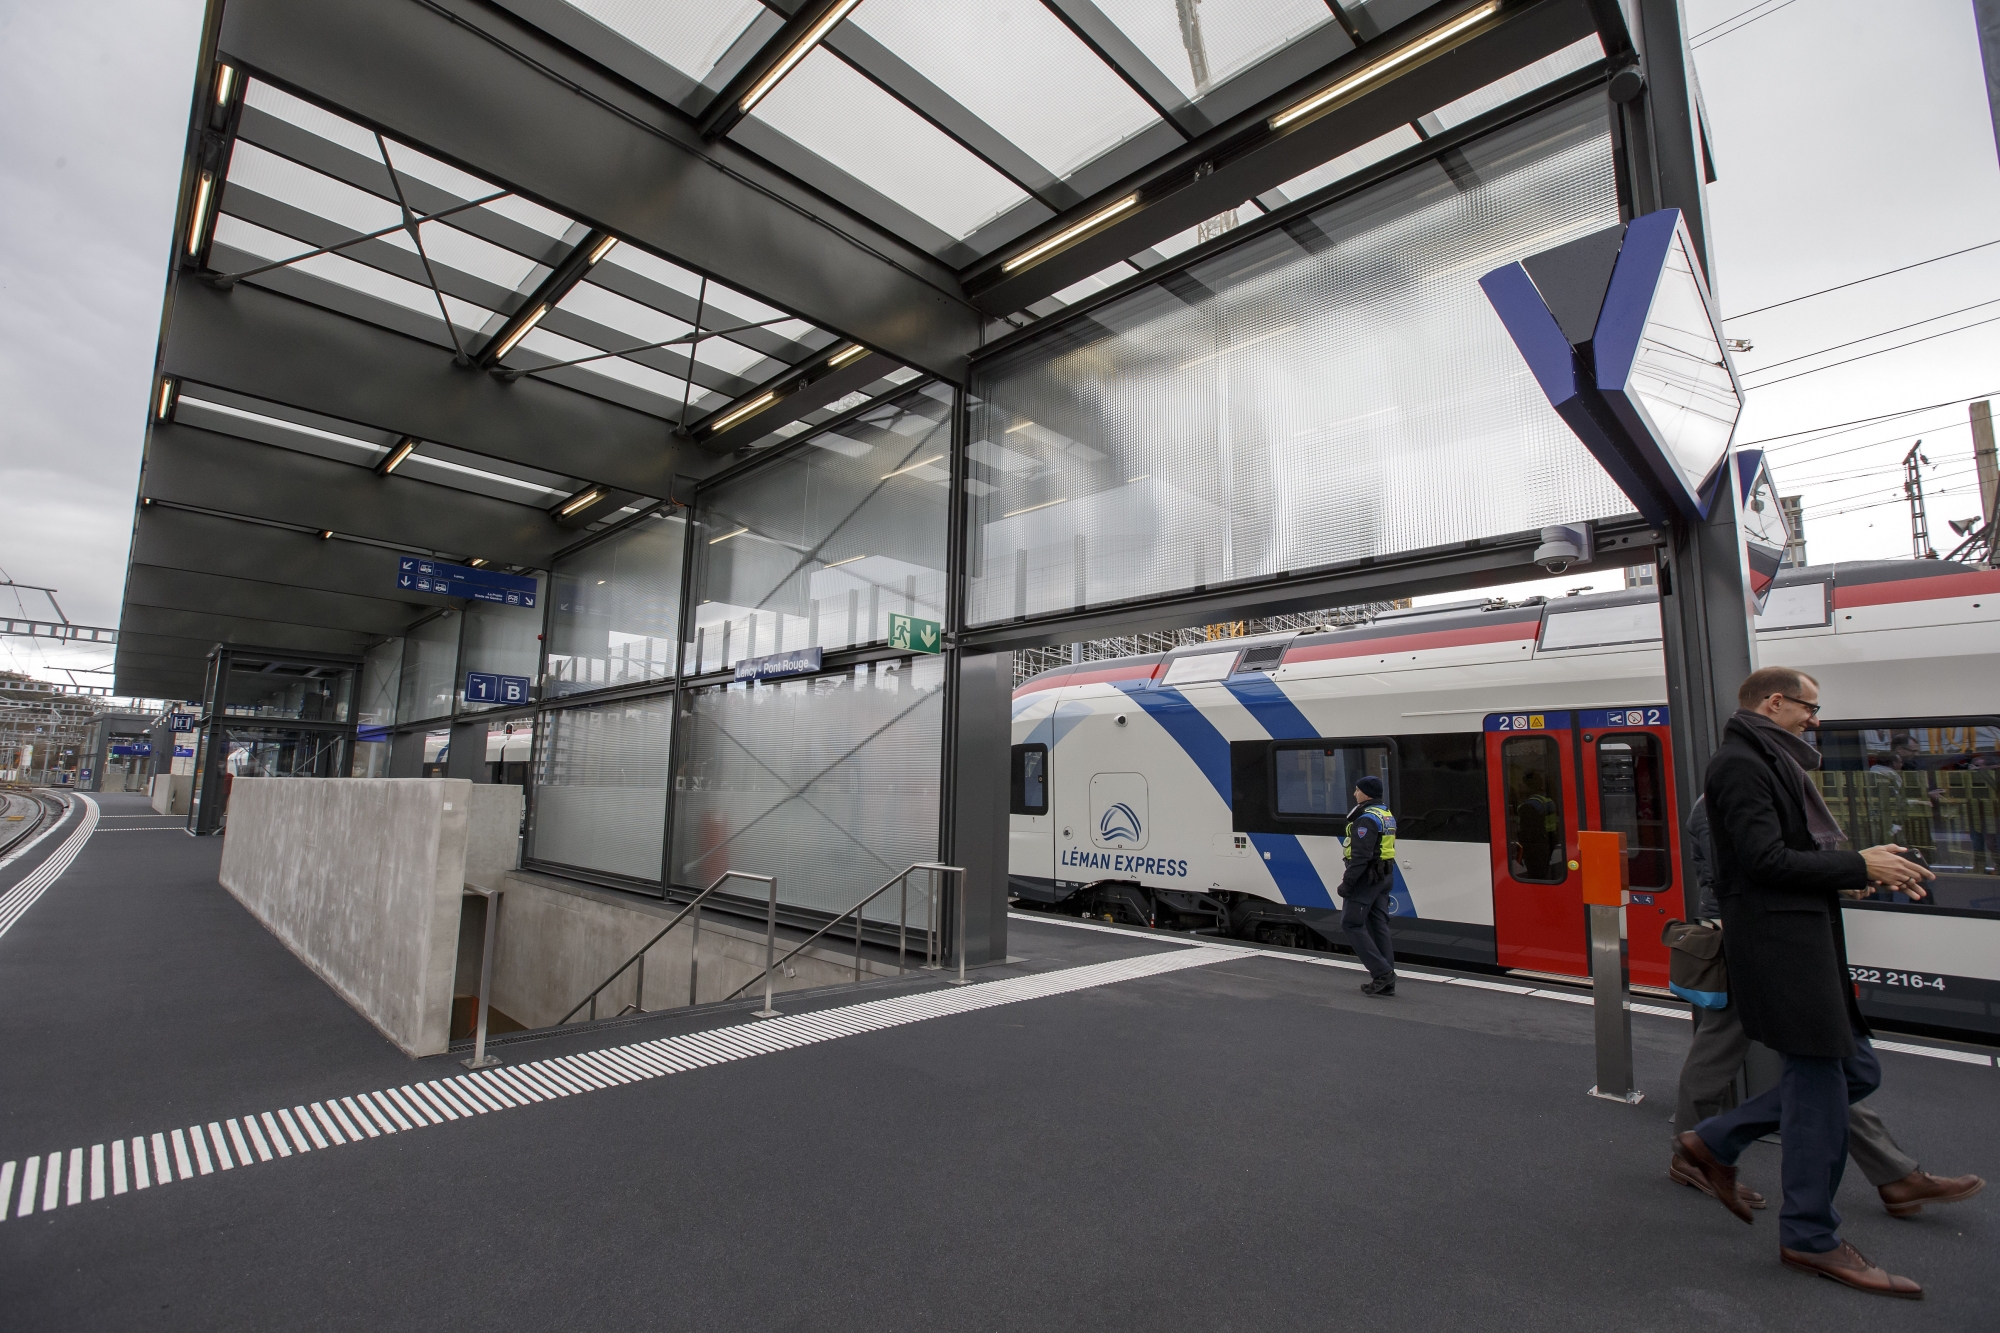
918 636
416 573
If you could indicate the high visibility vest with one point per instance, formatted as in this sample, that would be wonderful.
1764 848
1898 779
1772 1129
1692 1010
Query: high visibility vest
1385 821
1546 808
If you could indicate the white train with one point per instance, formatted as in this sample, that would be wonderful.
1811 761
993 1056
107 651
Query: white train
1203 789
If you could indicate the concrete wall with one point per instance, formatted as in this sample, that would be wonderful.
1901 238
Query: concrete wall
362 878
558 939
171 793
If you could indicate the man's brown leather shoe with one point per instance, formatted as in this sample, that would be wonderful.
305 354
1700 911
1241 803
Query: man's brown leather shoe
1848 1265
1692 1153
1907 1197
1687 1176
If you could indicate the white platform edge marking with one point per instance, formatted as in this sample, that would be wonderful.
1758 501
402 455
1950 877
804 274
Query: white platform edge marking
1570 997
15 903
509 1086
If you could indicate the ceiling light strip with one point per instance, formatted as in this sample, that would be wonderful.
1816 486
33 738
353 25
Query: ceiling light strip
799 51
1068 234
757 404
204 192
404 448
912 467
844 357
521 330
589 497
1376 70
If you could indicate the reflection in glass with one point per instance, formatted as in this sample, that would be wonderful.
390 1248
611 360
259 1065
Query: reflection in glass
616 615
430 668
1531 780
1318 781
820 547
1680 374
601 787
1632 799
1327 391
1934 788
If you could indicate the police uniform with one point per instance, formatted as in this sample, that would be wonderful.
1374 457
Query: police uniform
1370 855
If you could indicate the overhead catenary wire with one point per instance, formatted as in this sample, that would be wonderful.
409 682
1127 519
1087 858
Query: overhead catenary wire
1834 428
1900 328
1699 41
1841 287
1848 361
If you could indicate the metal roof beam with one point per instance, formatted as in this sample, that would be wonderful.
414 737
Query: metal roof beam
236 549
1245 157
198 468
189 590
475 86
269 346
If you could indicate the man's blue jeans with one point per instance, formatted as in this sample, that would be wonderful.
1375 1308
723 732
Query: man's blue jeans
1808 1108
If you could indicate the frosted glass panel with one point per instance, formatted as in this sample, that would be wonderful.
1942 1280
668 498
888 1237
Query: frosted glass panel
601 787
430 668
617 610
1335 389
500 640
821 546
829 783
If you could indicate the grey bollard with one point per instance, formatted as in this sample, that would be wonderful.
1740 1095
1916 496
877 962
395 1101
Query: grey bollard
1606 872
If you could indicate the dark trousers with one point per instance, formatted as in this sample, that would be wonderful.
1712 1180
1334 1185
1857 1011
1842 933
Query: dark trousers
1708 1088
1808 1108
1364 915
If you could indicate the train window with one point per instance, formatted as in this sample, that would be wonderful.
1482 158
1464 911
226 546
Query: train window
1030 788
1932 786
1441 788
1632 799
1316 780
1531 779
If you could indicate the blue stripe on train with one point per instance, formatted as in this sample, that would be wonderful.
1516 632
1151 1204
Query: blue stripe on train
1277 714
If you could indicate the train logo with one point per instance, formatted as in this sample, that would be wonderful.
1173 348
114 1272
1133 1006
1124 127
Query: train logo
1120 824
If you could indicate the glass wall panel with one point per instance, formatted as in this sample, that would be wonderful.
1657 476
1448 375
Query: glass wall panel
617 610
1330 390
430 668
829 783
375 708
601 787
500 640
819 547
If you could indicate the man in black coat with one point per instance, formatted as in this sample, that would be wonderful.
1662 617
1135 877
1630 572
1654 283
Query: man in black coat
1778 878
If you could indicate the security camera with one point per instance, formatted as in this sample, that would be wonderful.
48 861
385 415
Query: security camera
1563 546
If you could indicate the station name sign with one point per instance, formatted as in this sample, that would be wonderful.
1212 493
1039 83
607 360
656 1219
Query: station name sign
416 573
800 662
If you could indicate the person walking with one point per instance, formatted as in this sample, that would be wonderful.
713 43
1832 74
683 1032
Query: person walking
1370 854
1778 879
1707 1086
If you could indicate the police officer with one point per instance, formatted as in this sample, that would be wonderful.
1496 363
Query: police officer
1371 856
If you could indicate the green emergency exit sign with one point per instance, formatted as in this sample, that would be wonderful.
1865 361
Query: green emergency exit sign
919 636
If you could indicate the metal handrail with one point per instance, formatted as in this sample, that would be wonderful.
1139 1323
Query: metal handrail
693 961
931 949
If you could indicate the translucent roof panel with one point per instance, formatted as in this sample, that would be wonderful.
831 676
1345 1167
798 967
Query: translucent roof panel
690 35
1017 67
1225 38
1571 58
1351 161
829 109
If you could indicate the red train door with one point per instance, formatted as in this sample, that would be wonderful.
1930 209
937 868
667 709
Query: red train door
1538 920
1628 788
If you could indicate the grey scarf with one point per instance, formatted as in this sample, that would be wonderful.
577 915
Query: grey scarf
1799 759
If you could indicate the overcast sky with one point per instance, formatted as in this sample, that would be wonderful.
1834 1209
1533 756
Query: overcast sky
1851 136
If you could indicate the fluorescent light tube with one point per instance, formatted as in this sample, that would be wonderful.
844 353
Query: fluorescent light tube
522 331
166 403
761 401
856 350
225 83
912 467
717 541
603 249
399 453
589 497
1032 508
800 49
326 534
1326 98
838 563
198 217
1070 233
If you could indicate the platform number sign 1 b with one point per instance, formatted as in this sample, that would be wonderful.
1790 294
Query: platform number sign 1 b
918 636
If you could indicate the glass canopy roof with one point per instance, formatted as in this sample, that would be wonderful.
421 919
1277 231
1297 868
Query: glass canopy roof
315 207
962 127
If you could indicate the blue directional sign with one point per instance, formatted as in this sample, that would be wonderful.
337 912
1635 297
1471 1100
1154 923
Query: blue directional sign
799 662
131 750
482 688
513 689
181 721
416 573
